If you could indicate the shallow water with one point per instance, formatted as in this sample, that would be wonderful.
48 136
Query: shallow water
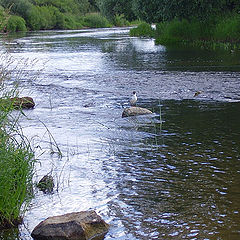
172 175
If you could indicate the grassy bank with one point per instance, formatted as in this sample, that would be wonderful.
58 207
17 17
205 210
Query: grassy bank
222 32
16 160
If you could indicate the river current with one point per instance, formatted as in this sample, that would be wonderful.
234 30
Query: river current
174 174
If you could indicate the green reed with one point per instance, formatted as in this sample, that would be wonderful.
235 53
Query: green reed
16 156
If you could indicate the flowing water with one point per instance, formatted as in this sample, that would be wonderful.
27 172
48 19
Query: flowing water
171 175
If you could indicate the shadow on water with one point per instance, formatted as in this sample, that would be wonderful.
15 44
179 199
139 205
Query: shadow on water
171 175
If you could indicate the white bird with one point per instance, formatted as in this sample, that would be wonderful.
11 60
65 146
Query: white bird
133 100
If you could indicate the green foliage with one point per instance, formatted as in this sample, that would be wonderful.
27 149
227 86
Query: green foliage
16 156
16 24
16 168
144 30
64 6
217 33
120 21
4 16
112 8
228 29
165 10
180 31
96 20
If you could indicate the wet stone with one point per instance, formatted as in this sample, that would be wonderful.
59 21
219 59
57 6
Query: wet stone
135 111
83 225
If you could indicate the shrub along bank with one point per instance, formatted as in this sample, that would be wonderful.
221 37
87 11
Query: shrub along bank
220 32
48 14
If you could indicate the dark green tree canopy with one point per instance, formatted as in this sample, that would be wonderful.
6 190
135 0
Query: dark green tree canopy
111 8
164 10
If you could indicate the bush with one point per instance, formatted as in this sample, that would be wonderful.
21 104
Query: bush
176 31
16 24
95 20
143 30
120 21
69 22
228 29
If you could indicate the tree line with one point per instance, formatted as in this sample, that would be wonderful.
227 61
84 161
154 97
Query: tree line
153 11
69 14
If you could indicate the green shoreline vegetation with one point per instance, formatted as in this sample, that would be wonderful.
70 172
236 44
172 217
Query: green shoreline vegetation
199 23
16 156
224 33
32 15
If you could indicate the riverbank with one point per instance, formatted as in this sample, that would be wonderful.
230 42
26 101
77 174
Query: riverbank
218 33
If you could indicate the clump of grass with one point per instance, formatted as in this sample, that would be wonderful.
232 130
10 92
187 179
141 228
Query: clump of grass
228 29
120 21
142 30
16 159
177 32
222 32
96 20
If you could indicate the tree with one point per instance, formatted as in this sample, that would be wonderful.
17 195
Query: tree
165 10
111 8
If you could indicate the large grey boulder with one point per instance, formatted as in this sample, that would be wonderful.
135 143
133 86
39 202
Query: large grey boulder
85 225
135 111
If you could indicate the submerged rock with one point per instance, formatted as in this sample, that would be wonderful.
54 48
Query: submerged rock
135 111
24 102
83 225
46 184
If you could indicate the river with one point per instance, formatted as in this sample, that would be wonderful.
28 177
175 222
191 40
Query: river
171 175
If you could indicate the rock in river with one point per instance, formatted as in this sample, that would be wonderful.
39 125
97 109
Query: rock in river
83 225
135 111
24 102
46 184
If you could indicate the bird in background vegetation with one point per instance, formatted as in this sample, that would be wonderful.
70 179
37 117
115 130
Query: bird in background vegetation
133 99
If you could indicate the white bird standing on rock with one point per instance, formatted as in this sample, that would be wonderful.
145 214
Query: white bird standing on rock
133 100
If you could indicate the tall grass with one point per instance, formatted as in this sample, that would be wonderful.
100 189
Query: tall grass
16 156
222 31
228 29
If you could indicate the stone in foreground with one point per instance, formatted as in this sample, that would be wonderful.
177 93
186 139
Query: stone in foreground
135 111
85 225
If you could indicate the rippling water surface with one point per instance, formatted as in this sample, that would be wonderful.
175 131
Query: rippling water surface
172 175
